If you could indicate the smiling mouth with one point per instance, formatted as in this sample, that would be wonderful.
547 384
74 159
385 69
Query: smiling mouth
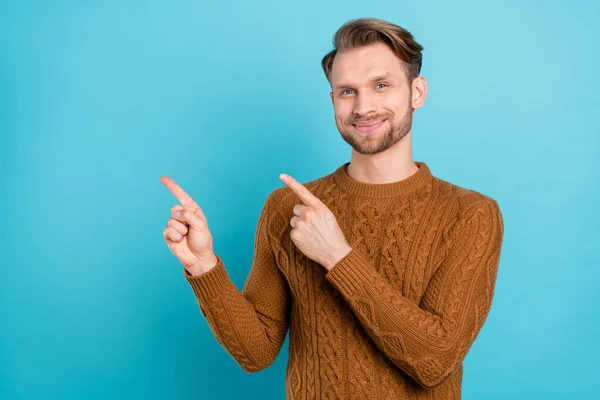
369 127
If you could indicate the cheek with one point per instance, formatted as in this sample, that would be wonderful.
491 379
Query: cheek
398 108
343 113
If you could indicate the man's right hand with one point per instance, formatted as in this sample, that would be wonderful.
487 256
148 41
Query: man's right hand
187 233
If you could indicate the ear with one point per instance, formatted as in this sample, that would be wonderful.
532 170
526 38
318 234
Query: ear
419 92
331 95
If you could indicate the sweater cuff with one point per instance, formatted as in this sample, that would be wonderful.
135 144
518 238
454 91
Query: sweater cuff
351 273
209 284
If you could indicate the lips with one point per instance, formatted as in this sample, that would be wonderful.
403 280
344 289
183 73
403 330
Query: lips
369 126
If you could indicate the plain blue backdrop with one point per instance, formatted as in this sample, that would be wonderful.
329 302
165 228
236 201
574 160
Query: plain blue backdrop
99 99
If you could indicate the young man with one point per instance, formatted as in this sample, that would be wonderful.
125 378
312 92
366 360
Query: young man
383 273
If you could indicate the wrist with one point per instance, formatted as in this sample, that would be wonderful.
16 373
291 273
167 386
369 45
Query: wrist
204 265
338 257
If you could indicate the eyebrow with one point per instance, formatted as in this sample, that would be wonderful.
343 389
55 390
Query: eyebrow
374 79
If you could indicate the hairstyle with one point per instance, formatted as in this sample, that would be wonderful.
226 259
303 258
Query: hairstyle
366 31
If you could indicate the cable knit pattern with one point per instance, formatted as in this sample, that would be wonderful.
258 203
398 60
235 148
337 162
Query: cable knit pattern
393 319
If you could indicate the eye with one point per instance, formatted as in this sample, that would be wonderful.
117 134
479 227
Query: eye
380 84
346 91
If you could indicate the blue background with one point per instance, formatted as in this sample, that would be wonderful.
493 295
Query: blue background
99 99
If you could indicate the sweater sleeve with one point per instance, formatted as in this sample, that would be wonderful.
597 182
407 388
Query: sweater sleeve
250 324
429 341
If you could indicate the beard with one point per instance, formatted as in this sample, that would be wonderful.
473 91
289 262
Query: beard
373 143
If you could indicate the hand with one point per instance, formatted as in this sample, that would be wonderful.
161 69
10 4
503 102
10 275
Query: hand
315 231
187 233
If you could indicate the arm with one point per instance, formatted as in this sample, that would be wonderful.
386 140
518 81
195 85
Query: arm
429 341
251 324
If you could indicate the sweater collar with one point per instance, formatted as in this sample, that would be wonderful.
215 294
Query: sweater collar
383 190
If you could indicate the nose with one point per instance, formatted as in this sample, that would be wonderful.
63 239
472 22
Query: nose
364 104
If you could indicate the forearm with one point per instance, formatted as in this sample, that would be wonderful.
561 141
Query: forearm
252 338
415 340
429 340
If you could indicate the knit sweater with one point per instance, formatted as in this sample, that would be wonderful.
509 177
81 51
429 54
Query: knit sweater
393 319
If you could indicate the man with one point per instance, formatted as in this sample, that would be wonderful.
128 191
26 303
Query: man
383 273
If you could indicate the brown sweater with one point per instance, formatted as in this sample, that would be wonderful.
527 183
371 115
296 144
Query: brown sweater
393 319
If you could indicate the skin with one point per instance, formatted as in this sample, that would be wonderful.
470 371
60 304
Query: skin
187 233
315 231
368 84
385 155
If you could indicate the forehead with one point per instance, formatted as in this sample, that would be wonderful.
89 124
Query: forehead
362 64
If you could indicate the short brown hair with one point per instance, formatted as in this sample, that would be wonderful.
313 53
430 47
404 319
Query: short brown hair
366 31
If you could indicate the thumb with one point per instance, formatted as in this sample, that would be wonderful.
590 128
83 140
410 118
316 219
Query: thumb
189 217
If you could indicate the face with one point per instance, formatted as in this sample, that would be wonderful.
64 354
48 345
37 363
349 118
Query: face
372 98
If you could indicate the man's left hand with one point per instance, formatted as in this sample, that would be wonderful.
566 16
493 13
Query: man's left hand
315 230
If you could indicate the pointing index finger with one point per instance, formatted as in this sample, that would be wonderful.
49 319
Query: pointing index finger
305 195
179 193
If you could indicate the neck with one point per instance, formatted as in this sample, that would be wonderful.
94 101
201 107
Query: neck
393 165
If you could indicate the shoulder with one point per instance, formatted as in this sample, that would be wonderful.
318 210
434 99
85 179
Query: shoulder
462 201
466 208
